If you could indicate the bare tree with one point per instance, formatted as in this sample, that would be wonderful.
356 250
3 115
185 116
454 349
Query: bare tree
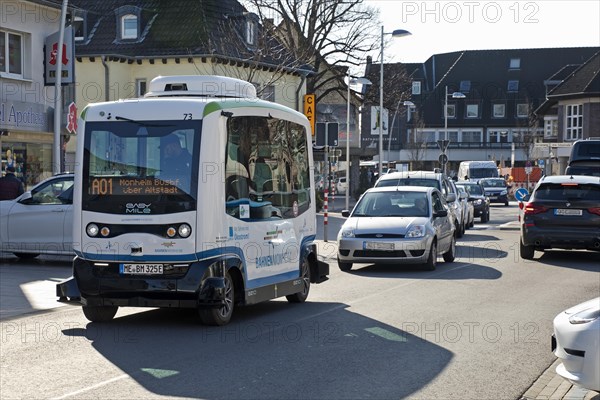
415 145
331 35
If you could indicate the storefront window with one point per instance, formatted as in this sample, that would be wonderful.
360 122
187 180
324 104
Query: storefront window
30 160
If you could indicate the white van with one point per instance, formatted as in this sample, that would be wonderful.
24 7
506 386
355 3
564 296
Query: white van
473 171
199 195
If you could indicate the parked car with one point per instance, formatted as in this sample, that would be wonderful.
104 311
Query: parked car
397 225
468 209
431 179
495 189
563 212
576 342
40 221
584 158
477 197
341 185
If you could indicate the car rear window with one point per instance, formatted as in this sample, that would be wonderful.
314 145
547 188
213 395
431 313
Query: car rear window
570 192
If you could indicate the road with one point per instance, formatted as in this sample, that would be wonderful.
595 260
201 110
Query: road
477 328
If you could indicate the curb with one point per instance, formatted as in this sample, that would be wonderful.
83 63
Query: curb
552 386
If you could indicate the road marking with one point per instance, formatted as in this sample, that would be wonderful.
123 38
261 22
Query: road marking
87 389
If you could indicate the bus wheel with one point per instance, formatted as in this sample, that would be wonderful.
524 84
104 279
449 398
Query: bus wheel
99 313
301 296
220 316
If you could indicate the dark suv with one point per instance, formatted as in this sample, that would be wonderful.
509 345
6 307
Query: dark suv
495 189
563 212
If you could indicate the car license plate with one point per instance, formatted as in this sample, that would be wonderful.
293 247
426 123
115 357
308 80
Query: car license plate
493 197
567 211
141 269
378 246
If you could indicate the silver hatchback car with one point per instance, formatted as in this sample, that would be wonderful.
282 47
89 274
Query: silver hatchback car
397 225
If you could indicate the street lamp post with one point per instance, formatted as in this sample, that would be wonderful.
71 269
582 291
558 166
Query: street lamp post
351 81
396 33
455 95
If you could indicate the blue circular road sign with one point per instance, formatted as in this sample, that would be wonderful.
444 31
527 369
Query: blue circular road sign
521 193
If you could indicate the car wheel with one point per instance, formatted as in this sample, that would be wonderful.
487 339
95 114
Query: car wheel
100 313
344 266
451 253
221 315
432 260
526 251
460 230
485 217
300 297
26 256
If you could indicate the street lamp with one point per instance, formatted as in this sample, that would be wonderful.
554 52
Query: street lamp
351 81
455 95
396 33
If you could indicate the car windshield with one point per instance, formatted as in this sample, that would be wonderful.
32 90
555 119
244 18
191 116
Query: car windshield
493 183
474 189
392 204
409 182
568 192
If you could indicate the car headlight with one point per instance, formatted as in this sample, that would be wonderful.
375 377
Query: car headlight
502 193
347 232
416 231
585 316
478 202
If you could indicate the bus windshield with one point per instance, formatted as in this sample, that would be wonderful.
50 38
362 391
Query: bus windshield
131 163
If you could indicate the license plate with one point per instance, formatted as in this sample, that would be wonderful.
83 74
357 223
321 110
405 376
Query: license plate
567 211
141 269
378 246
493 197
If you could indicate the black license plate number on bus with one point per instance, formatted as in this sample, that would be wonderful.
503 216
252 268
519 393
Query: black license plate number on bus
141 269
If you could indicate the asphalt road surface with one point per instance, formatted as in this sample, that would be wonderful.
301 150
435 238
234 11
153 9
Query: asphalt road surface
477 328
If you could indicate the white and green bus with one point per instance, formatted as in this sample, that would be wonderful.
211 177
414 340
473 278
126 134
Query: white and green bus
197 195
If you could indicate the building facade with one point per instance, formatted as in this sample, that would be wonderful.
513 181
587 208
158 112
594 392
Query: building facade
26 104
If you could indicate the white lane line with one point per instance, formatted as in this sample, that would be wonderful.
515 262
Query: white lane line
87 389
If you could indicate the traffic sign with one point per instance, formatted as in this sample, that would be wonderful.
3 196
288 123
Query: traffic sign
521 193
443 159
443 144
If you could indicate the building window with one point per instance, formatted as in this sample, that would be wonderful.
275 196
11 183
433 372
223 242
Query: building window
574 122
251 32
129 26
513 86
551 127
78 28
471 136
451 111
522 110
498 137
465 86
515 63
472 110
11 53
416 87
499 110
140 87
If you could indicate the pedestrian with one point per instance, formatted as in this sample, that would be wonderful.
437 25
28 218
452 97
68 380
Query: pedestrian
10 186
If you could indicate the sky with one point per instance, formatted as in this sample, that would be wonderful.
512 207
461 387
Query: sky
447 26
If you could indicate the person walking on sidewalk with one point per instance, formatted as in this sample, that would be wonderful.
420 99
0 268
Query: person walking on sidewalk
10 186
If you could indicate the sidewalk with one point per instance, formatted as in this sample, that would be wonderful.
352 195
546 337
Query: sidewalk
551 386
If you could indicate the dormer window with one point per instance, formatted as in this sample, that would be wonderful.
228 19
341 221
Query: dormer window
129 26
250 32
79 29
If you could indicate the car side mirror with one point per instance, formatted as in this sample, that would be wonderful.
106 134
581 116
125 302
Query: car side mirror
26 198
345 213
441 213
451 197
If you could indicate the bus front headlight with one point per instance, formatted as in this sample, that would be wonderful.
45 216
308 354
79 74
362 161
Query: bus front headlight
92 230
184 230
